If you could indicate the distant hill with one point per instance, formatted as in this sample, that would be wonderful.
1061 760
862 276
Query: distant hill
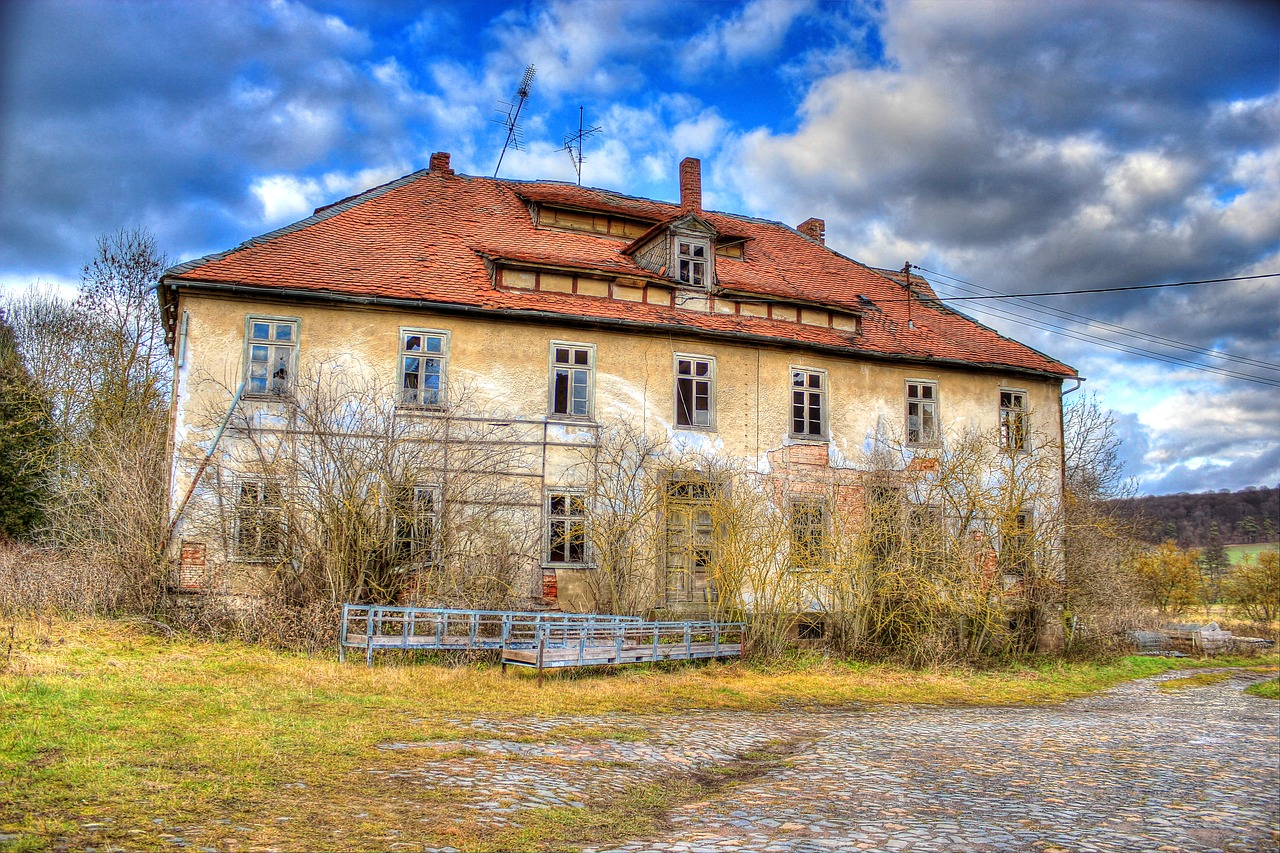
1249 515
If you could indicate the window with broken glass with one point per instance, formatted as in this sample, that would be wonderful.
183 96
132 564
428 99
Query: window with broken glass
808 403
691 260
695 391
422 374
572 368
922 413
272 355
1013 420
566 528
416 515
259 521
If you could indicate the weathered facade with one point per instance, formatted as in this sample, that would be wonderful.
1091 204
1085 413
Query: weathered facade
541 321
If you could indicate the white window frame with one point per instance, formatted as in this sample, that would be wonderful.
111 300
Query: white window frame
571 370
694 379
802 397
262 355
916 397
1014 420
572 518
419 547
689 266
261 511
416 397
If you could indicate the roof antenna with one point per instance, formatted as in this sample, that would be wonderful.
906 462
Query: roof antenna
906 274
573 144
515 137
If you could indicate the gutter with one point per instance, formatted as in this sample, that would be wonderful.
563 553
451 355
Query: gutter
550 317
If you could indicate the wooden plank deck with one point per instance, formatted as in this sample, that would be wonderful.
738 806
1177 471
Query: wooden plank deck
612 655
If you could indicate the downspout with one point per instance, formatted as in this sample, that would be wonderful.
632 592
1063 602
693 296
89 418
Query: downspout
195 481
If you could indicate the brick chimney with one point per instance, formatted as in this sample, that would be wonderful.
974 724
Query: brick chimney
440 163
814 228
691 185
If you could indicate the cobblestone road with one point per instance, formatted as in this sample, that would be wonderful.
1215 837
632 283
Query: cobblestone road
1134 769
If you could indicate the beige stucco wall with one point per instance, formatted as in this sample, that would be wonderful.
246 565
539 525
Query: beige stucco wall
503 367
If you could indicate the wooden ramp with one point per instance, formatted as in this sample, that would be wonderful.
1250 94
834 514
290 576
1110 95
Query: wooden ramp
537 640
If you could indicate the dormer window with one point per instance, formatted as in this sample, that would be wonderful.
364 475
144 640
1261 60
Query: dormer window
691 260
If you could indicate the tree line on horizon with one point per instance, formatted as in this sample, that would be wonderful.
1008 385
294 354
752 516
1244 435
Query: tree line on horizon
1247 516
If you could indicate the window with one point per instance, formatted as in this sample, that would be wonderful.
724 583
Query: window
259 520
691 260
695 391
1013 420
566 528
1017 545
572 366
922 413
416 516
273 346
808 403
422 361
808 532
690 541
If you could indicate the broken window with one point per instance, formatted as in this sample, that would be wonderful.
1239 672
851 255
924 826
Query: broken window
270 360
422 359
922 413
259 521
566 528
1017 545
416 516
1013 420
691 260
572 366
808 403
695 391
808 532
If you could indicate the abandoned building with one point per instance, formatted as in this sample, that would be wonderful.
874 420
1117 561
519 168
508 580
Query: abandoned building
516 329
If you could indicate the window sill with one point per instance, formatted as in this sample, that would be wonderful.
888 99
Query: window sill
694 428
572 420
808 439
574 566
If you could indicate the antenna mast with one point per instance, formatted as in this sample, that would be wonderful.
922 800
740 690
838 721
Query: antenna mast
573 144
511 121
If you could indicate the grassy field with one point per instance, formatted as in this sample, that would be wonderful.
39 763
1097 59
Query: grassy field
110 736
1235 553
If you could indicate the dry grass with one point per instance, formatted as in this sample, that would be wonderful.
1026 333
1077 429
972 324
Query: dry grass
106 728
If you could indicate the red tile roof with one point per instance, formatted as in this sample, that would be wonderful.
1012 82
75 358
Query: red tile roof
427 237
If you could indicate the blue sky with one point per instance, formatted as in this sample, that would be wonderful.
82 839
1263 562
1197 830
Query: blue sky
1020 147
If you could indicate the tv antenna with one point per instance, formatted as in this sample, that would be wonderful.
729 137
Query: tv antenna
573 144
515 136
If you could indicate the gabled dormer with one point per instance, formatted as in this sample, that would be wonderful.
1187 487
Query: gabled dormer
682 248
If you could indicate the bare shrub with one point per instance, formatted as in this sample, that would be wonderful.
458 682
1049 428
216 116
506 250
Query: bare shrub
42 580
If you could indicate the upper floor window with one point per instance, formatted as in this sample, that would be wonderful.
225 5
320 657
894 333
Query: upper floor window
695 391
566 528
691 260
259 520
922 413
572 368
422 367
416 516
272 355
1013 420
808 403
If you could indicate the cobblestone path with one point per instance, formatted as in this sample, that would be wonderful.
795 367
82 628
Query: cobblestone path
1134 769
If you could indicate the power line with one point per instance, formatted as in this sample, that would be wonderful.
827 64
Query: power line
1124 330
1130 349
1103 289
